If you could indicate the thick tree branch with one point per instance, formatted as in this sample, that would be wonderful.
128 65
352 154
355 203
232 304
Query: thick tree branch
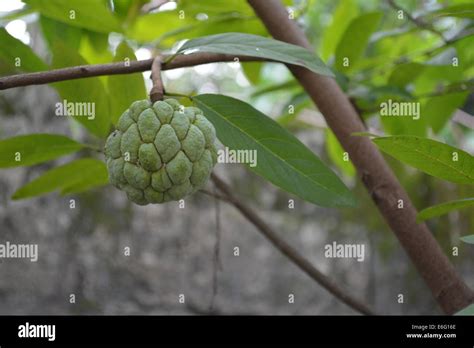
449 290
289 251
79 72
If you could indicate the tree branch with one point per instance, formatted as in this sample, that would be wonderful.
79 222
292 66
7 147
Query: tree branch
289 251
449 290
83 71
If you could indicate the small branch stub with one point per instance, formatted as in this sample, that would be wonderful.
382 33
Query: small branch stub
157 91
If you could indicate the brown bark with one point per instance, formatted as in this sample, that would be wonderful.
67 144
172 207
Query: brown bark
449 290
157 91
84 71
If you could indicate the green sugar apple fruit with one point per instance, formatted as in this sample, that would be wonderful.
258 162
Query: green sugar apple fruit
160 152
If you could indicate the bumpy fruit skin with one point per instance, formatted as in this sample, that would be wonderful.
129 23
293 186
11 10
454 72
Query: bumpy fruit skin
160 152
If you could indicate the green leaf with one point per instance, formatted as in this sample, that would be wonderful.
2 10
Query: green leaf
18 56
438 110
469 310
282 86
95 48
252 71
73 177
460 10
468 239
186 22
167 27
90 91
404 74
432 76
430 156
257 46
24 150
383 99
281 158
299 101
405 125
151 26
125 88
444 208
224 23
355 39
214 7
336 153
89 14
465 53
364 134
7 16
54 30
345 12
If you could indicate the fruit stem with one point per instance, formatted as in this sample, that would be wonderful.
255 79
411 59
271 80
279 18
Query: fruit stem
157 90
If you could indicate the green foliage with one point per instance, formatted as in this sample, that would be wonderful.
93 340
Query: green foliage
91 91
166 27
336 154
54 30
430 156
405 73
282 158
26 150
468 239
343 15
469 310
252 71
437 110
94 48
73 177
283 86
389 58
460 10
18 56
355 39
257 46
125 89
89 14
444 208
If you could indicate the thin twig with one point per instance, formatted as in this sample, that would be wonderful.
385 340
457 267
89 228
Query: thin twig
417 21
215 195
290 252
216 256
83 71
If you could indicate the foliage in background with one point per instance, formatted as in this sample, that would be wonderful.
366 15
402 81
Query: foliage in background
429 61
